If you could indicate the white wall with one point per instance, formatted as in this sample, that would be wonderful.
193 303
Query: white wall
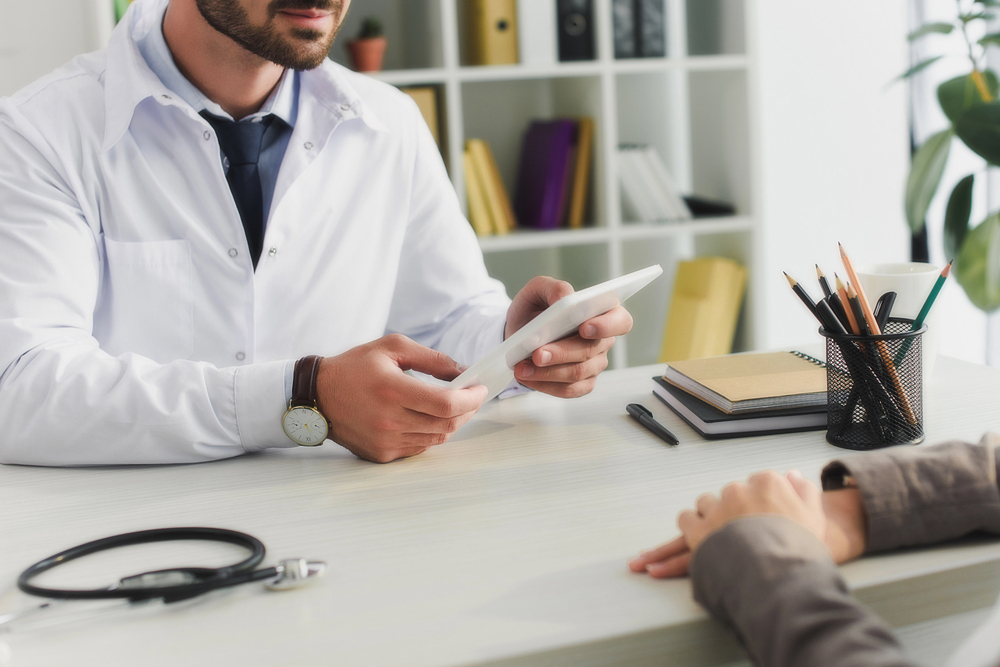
833 146
37 37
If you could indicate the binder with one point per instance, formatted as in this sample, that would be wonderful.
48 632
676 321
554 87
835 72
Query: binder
479 215
543 173
426 99
651 29
492 31
576 30
623 20
495 194
704 309
580 188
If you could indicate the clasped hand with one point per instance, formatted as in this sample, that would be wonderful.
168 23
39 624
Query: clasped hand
836 518
381 414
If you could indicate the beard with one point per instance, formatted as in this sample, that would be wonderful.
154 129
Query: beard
305 49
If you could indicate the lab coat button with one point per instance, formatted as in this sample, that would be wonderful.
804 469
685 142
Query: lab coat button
207 135
272 252
233 252
345 107
308 145
240 356
167 97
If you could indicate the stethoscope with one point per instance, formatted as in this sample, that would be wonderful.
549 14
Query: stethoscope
171 585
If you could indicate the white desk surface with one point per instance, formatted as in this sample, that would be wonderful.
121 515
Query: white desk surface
508 545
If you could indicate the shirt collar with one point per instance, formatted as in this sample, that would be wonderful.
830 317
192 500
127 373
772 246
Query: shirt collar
130 79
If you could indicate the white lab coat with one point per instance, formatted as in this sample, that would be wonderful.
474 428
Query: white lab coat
133 328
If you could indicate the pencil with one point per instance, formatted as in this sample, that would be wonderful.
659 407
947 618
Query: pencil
873 327
922 315
803 295
852 297
823 283
862 298
838 310
845 302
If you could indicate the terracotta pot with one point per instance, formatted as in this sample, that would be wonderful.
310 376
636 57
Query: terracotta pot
367 54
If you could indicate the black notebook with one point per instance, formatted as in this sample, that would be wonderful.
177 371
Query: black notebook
713 423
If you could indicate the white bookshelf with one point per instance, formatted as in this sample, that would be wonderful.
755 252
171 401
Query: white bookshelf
693 106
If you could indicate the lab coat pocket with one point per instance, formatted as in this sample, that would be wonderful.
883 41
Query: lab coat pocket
150 298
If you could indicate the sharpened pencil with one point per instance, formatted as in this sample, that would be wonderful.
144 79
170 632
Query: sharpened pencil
823 282
803 295
846 303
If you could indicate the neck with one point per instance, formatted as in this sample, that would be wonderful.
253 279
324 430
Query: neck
226 73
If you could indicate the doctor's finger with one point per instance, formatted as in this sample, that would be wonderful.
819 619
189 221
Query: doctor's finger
422 397
570 350
418 422
671 549
615 322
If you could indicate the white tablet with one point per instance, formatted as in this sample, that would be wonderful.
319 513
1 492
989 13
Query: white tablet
496 369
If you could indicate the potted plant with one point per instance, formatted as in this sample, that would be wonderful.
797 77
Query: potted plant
367 50
970 103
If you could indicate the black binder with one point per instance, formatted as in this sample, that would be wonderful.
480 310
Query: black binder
576 30
640 28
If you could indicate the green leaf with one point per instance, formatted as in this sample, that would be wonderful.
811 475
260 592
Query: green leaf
966 18
977 267
959 94
979 128
992 38
919 67
939 28
988 3
956 217
925 175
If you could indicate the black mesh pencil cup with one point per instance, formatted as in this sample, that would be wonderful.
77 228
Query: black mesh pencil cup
875 388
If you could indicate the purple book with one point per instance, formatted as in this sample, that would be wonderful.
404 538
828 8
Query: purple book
546 156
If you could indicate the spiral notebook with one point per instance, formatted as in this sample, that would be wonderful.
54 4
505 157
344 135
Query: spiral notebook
752 382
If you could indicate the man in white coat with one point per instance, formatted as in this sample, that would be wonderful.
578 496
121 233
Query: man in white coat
210 222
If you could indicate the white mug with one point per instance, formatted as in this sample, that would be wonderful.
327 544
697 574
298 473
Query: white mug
912 282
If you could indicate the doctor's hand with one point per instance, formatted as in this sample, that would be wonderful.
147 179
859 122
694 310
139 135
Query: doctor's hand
381 414
835 517
568 367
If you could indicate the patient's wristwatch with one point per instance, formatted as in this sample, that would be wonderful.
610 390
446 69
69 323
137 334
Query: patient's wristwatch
303 422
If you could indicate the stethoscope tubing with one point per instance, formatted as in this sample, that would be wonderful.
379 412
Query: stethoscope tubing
206 579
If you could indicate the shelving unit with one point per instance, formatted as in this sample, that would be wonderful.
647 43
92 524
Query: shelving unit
693 106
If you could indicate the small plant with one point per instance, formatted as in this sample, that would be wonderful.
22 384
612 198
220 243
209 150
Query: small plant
970 103
371 28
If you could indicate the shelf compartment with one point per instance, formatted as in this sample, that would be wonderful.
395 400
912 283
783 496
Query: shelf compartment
526 239
413 29
698 227
716 27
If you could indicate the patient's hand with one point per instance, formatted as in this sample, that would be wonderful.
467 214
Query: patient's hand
836 517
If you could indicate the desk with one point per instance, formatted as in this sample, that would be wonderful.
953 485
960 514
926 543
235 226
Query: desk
505 546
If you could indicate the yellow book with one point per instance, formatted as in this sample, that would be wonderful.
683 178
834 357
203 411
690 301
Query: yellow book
426 99
581 173
492 32
704 309
479 216
497 200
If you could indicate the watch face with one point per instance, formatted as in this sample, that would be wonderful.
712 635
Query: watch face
306 426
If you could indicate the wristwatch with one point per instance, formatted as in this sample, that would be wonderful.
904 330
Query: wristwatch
303 422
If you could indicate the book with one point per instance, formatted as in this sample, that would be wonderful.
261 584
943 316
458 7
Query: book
543 172
495 194
492 32
648 191
664 182
639 28
426 99
752 382
583 163
479 215
704 309
637 202
536 32
576 30
712 423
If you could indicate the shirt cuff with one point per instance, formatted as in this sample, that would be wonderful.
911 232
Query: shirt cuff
923 495
260 403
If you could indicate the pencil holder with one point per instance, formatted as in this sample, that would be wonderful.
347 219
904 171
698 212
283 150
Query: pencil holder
875 388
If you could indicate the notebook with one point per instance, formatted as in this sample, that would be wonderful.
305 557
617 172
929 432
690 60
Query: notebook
751 382
712 423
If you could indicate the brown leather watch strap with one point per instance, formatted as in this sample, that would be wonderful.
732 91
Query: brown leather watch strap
304 381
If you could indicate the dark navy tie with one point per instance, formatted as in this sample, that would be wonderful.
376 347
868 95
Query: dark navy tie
240 143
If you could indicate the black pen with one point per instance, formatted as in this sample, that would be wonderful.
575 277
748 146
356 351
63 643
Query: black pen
645 417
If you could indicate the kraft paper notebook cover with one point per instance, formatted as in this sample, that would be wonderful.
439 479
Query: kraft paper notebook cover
712 423
479 215
492 184
740 383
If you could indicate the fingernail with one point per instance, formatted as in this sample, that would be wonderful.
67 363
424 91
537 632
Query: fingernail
545 357
527 371
589 331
